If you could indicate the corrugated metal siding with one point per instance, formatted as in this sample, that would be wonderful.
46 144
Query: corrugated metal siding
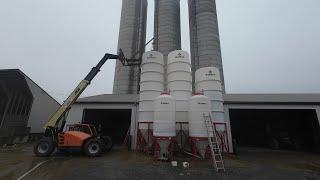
110 98
313 99
204 35
15 103
132 38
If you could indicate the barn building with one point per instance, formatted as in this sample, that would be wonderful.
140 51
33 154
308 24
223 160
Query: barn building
24 107
278 121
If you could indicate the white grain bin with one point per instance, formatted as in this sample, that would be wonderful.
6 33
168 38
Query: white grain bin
151 86
164 125
180 81
209 82
198 106
151 83
164 116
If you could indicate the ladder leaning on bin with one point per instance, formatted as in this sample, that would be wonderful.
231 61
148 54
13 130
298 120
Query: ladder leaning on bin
213 144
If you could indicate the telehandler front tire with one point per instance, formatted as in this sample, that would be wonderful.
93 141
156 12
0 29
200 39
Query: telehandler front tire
92 147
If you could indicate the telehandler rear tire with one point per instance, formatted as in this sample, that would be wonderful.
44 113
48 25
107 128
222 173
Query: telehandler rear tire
107 143
44 147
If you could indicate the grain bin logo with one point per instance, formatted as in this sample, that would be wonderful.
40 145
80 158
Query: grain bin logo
210 73
202 103
165 103
179 55
151 56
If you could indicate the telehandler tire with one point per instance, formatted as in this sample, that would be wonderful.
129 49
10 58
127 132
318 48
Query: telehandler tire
44 147
92 147
107 143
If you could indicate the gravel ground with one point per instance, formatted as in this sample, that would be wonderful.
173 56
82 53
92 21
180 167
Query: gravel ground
251 163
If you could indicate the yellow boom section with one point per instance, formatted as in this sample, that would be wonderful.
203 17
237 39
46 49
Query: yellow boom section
56 117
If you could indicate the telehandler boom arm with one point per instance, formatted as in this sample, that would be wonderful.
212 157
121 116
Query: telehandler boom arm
60 113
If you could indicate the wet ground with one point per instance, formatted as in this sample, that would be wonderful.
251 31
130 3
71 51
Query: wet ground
251 163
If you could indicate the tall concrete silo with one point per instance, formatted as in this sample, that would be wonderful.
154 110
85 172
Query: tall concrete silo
204 36
132 38
167 31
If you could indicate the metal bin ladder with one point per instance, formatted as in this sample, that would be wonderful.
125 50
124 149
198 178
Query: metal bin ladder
213 143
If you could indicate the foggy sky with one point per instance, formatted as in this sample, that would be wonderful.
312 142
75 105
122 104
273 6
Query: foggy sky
268 46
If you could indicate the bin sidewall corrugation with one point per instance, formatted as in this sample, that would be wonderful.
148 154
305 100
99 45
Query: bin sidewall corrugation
179 62
146 68
180 86
177 67
151 62
208 85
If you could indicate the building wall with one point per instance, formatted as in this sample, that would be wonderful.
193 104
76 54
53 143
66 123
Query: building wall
132 39
204 35
43 107
318 113
76 114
